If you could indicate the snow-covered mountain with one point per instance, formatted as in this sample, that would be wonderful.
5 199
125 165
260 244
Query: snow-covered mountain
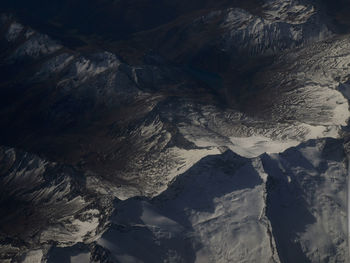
287 207
44 202
217 135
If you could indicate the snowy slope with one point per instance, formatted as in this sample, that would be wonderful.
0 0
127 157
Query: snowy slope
44 202
307 197
281 25
207 214
189 178
226 208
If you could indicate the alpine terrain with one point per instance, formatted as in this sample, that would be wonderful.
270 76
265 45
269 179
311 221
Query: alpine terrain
174 131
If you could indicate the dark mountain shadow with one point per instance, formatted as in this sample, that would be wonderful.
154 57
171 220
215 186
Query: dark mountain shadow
26 205
160 225
333 150
212 177
287 212
153 244
287 208
64 254
338 13
75 21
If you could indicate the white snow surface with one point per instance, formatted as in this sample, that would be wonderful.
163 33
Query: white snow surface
256 145
312 202
199 203
207 215
309 88
73 230
34 256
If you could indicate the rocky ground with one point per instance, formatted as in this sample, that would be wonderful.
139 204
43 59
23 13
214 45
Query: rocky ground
213 135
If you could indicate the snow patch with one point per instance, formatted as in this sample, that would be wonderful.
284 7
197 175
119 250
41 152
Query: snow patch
256 145
34 256
87 227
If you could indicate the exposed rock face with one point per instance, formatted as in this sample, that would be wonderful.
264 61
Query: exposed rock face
228 208
281 25
44 202
164 156
306 189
